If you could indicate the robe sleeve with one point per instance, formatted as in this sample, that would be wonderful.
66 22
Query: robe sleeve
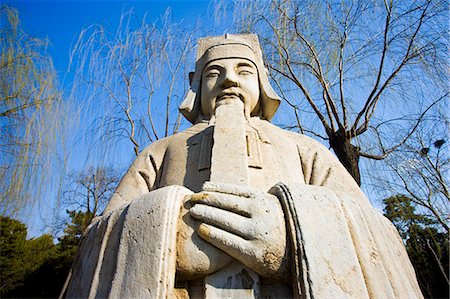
130 252
108 259
342 246
141 177
321 168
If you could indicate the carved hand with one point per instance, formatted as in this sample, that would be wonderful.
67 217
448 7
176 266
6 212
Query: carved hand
196 257
245 223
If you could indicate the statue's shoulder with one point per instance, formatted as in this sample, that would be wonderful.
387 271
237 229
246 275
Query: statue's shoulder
307 147
160 146
306 141
316 157
299 139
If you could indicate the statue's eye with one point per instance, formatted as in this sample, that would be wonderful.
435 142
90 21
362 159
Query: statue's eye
245 71
212 74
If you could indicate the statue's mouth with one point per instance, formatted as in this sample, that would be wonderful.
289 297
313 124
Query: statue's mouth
228 95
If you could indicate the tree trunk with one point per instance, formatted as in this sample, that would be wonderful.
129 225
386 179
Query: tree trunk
347 153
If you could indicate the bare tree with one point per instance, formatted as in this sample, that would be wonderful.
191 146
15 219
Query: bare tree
350 66
90 190
414 182
82 197
420 170
132 81
29 115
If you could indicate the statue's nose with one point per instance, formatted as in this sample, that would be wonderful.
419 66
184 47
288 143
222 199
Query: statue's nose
229 81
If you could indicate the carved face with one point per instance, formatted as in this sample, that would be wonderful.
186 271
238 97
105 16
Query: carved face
227 80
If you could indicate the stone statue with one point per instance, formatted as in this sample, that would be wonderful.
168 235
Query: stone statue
236 207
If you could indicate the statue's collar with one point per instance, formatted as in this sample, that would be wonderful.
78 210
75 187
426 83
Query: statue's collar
255 125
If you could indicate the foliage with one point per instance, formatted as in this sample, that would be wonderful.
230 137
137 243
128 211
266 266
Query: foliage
429 254
19 256
80 221
427 247
351 67
37 268
13 235
29 118
401 212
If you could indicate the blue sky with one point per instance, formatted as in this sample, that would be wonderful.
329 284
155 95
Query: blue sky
61 21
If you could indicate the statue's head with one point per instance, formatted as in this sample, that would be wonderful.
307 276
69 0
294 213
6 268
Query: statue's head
229 68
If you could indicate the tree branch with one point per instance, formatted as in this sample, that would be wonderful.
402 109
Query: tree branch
410 133
380 68
293 78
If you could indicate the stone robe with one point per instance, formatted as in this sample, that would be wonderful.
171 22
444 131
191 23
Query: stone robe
341 246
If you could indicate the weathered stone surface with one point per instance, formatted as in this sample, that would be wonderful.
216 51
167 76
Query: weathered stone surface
234 281
236 207
229 155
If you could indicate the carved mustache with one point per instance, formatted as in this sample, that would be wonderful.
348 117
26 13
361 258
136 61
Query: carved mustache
229 94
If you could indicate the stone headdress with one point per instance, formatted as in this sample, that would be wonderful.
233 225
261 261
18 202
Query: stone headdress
212 48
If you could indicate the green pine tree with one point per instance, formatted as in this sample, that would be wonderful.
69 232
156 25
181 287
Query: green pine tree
427 247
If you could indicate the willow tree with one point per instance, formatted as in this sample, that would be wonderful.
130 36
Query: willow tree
29 97
361 75
131 79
